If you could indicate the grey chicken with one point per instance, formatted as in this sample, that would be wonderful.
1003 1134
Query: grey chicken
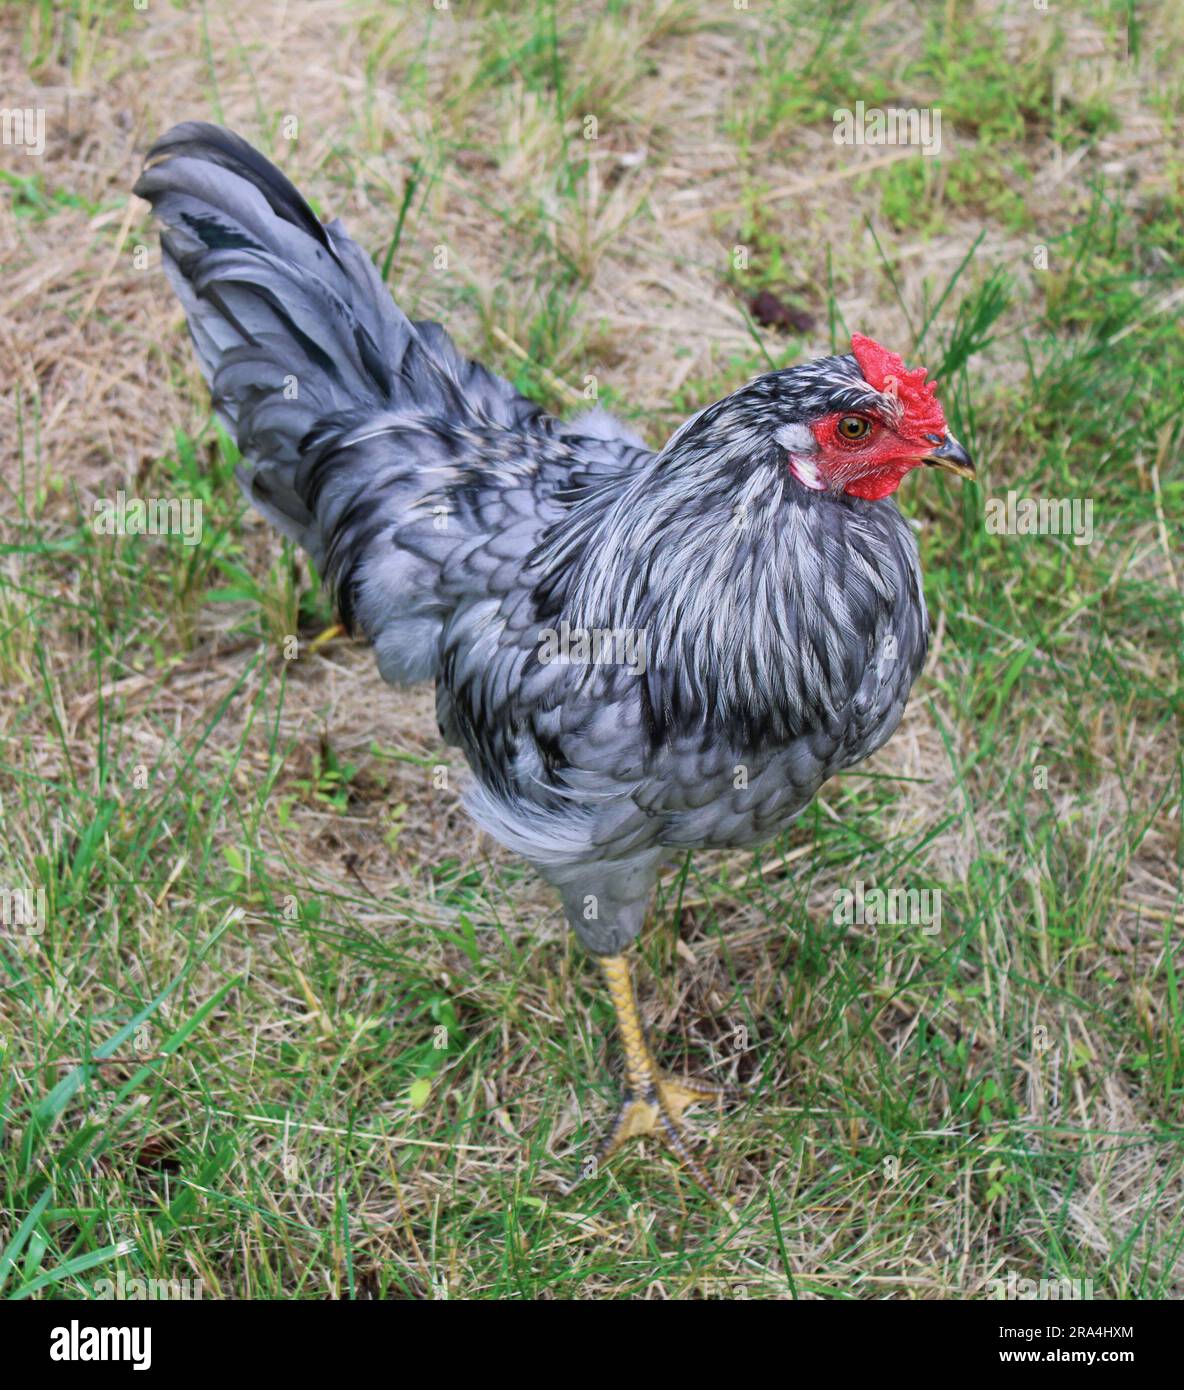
639 653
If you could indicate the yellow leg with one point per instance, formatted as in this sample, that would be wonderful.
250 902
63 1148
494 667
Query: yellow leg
653 1102
327 636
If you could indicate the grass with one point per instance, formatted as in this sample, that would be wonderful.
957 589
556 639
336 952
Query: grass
289 1026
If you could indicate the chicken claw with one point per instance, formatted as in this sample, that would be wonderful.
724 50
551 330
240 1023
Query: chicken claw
654 1100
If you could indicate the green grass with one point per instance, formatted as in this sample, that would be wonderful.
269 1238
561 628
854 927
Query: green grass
287 1029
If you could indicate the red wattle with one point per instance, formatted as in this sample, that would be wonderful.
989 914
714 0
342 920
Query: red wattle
872 486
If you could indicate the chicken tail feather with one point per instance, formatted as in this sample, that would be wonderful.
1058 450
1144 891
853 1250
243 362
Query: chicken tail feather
293 327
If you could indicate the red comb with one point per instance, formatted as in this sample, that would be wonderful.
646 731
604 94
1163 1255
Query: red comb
886 372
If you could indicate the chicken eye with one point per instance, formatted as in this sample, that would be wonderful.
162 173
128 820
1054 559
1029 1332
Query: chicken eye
854 427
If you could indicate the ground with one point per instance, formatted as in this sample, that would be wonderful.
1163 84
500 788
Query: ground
283 1022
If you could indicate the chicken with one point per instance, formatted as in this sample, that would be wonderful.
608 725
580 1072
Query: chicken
639 653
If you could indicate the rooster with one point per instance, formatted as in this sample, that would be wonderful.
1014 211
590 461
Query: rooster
639 653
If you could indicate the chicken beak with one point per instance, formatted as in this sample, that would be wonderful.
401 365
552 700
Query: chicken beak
952 457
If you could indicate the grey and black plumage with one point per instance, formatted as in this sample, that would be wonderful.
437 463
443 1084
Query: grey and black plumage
761 557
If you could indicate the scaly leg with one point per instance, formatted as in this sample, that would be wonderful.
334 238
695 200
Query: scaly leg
654 1101
329 634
